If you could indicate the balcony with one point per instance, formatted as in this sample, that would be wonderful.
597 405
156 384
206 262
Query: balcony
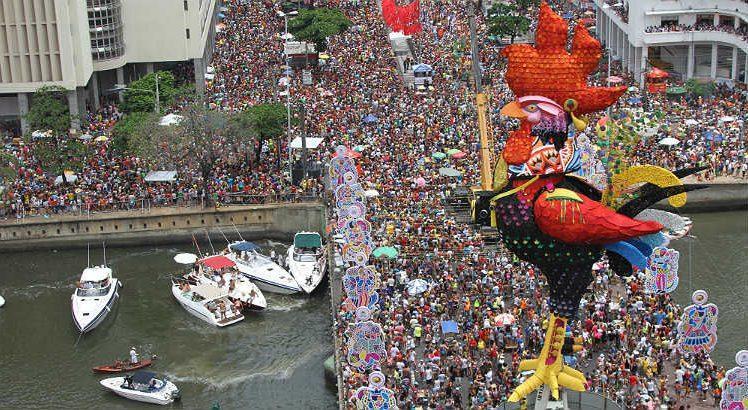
700 36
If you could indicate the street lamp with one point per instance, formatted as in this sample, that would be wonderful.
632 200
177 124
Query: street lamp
288 91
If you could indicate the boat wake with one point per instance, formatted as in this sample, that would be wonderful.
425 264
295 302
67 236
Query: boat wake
285 304
37 289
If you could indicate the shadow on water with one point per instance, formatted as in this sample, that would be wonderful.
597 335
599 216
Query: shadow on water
272 360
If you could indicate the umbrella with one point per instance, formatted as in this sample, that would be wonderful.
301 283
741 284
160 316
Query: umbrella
359 148
669 141
691 121
101 138
459 155
420 182
504 319
351 153
386 251
244 246
371 193
369 119
449 172
589 13
615 79
438 155
452 151
634 100
217 262
449 326
632 89
185 258
417 286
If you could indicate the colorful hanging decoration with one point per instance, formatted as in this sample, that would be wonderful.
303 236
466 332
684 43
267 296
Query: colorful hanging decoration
360 284
591 168
375 396
697 331
365 342
661 275
735 387
550 218
405 19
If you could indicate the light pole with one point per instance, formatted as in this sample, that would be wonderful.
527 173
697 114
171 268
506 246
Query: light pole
288 93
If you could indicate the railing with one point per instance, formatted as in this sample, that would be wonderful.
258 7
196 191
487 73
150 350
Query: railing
92 208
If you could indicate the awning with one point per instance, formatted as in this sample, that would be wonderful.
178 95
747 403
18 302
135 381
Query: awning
307 240
449 326
311 142
161 176
217 262
243 246
422 68
207 291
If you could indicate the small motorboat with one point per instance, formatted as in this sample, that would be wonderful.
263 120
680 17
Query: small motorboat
2 301
307 260
120 366
261 269
94 297
206 302
143 386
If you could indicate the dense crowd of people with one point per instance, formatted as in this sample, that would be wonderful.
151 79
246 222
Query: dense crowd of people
741 31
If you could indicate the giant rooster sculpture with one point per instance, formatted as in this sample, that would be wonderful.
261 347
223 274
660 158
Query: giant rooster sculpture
548 217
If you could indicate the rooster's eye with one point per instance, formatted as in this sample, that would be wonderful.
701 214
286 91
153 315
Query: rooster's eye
571 105
531 108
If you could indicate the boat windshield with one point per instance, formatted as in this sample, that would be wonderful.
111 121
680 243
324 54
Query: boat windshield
89 289
305 257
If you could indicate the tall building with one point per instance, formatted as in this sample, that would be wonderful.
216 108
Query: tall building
89 46
688 38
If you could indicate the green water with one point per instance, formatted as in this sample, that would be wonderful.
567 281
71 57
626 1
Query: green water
271 360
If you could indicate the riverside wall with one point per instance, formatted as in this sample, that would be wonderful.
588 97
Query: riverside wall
163 225
714 198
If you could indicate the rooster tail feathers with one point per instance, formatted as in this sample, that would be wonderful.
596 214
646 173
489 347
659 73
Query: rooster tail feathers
649 194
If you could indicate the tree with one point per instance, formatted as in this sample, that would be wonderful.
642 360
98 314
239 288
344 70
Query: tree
197 142
264 122
140 95
699 88
59 154
49 111
132 125
507 20
8 168
318 24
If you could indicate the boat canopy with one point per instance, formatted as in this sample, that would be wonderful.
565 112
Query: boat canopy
142 377
243 246
96 274
209 292
217 262
307 240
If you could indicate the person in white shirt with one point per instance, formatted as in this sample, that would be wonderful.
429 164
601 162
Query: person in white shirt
133 355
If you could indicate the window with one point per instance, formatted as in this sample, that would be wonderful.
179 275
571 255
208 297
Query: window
188 33
669 21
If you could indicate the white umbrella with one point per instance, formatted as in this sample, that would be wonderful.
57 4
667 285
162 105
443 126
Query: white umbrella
669 141
371 193
417 286
691 121
185 258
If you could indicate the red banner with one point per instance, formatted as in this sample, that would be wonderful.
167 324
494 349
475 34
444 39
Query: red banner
402 18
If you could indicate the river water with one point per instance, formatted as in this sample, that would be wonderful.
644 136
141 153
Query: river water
272 360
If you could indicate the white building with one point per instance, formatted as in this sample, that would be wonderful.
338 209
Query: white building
688 38
89 46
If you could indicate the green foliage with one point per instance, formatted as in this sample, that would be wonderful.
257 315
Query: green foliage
699 88
135 123
507 20
49 111
8 168
140 95
56 155
261 121
318 24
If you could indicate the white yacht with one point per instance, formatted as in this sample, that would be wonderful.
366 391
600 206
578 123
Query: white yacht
2 301
307 260
94 297
143 386
260 269
206 302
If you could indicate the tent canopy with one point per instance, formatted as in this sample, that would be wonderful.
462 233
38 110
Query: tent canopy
423 68
243 246
449 326
161 176
311 142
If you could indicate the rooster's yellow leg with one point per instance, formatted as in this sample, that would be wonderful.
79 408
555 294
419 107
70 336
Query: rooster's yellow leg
549 366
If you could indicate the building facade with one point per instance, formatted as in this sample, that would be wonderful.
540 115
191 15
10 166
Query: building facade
687 38
86 47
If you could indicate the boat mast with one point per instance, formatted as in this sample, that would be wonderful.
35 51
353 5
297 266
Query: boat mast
103 244
237 231
210 242
88 255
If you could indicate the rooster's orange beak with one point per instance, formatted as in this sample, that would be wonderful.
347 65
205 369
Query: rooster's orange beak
514 110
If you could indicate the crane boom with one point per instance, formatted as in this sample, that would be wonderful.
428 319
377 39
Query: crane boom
481 106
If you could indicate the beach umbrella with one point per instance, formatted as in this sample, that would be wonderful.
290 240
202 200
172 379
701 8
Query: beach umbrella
449 172
385 251
417 286
217 262
459 155
633 89
420 182
101 138
369 119
452 151
359 148
371 193
615 79
185 258
504 319
669 141
727 118
86 137
438 155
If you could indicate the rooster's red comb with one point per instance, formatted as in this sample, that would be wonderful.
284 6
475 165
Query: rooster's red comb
547 69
